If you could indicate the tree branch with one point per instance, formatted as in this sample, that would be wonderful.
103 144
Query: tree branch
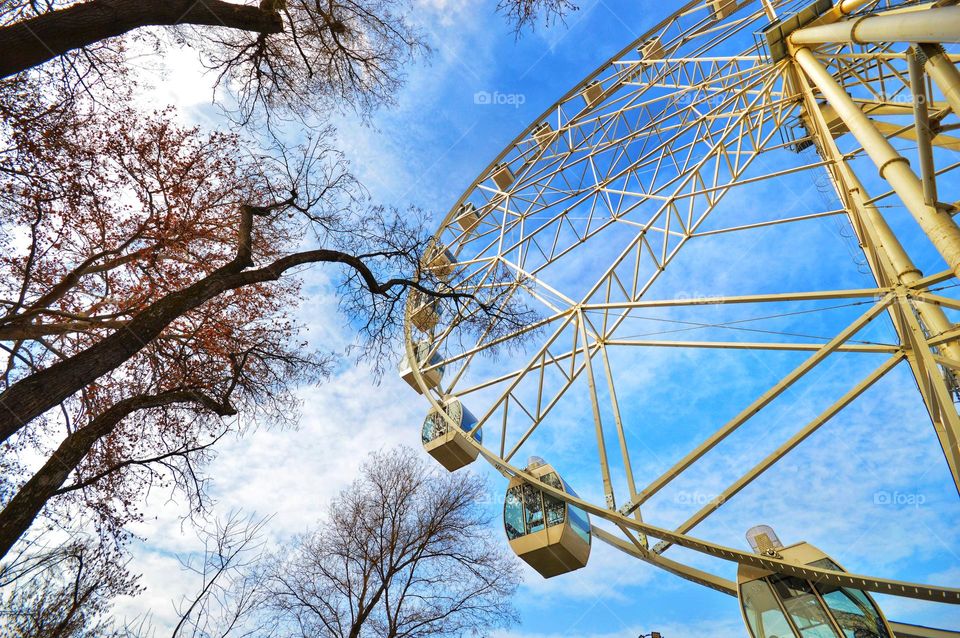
32 396
17 516
36 40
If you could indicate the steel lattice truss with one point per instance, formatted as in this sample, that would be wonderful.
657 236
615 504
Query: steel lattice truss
585 213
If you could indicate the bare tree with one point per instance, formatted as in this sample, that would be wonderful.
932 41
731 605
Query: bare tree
148 271
405 551
300 56
232 585
64 593
178 311
525 13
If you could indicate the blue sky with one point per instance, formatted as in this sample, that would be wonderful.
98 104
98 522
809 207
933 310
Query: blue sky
425 151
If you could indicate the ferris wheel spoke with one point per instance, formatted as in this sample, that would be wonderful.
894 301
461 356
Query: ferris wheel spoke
947 336
724 496
937 300
583 215
933 388
752 345
816 295
595 404
772 222
759 403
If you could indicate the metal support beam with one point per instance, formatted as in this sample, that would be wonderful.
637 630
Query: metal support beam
939 24
751 345
841 10
943 72
758 404
922 125
692 574
621 436
795 440
597 420
892 266
946 421
937 224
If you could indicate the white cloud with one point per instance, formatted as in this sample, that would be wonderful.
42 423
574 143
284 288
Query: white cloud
423 151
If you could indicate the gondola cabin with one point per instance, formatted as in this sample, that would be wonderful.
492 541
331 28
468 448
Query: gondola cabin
445 439
429 365
424 313
502 176
544 134
776 605
548 533
438 261
720 9
467 217
651 49
592 93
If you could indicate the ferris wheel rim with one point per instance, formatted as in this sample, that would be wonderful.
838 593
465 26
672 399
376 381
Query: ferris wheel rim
564 98
940 594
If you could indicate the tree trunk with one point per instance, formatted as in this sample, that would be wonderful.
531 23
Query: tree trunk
30 397
17 516
33 41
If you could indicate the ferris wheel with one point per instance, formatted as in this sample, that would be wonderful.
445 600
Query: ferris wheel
671 222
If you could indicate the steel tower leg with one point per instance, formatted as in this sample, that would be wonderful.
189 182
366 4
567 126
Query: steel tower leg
944 74
893 267
922 127
938 24
936 223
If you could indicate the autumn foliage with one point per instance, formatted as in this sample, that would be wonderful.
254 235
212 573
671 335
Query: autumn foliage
149 269
141 207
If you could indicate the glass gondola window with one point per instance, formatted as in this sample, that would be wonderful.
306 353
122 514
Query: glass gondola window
764 616
421 351
467 421
435 425
803 606
528 510
533 508
579 520
555 508
513 513
853 610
